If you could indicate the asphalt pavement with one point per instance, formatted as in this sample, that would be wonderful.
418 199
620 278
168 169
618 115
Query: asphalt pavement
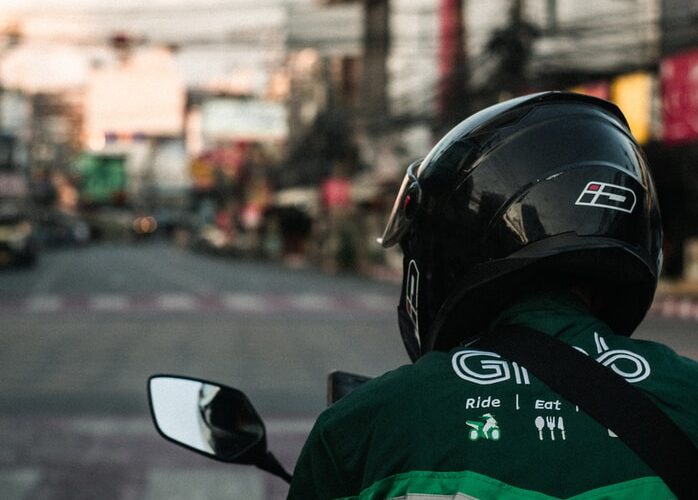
84 329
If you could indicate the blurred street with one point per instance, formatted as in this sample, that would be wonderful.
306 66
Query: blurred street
85 328
197 188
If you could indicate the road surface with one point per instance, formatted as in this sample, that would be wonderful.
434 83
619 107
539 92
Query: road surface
85 328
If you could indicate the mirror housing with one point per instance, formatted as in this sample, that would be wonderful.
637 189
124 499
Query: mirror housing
211 419
340 383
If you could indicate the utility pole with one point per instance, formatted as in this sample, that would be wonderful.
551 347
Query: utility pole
451 96
376 44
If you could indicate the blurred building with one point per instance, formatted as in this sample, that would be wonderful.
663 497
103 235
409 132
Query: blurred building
134 108
55 131
297 98
15 116
640 54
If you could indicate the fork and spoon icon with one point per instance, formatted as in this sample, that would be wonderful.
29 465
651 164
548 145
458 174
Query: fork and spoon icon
552 423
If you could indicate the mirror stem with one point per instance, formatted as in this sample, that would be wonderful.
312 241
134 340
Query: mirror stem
270 464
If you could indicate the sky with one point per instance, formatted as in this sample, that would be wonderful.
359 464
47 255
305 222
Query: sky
102 4
161 19
215 37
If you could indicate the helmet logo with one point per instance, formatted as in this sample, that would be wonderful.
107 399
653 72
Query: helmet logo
411 295
604 195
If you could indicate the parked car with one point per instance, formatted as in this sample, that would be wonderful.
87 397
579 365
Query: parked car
17 240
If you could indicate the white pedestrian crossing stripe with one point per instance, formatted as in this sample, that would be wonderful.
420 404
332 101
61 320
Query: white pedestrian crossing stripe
177 302
374 301
244 302
232 302
313 302
109 302
257 303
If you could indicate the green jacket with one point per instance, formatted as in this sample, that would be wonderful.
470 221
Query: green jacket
471 423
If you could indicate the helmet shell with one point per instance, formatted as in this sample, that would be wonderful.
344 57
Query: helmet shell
543 191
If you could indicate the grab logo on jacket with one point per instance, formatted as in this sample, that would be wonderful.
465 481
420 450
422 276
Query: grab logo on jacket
485 368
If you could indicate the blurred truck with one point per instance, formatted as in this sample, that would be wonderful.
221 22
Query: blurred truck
102 190
129 189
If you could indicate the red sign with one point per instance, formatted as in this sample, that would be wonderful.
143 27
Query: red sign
680 97
336 192
451 55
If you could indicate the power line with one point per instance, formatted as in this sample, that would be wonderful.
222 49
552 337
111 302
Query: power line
110 10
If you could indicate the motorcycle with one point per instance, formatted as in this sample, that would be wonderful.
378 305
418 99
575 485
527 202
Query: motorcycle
220 422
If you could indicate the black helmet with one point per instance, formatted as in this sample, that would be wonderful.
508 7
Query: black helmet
543 190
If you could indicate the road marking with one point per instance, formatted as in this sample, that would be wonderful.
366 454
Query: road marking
684 308
376 301
245 302
255 303
177 302
111 302
312 302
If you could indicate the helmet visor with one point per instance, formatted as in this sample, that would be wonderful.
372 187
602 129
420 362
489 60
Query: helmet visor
404 208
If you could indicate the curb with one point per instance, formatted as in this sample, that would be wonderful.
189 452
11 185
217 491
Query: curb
680 307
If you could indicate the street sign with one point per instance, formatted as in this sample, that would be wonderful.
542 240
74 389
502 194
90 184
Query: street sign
679 75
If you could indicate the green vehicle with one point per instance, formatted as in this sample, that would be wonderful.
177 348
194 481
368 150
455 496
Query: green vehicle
484 427
103 179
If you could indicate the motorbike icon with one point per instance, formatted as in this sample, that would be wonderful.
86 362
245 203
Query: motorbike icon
485 427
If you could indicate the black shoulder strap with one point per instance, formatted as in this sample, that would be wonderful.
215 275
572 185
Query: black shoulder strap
608 398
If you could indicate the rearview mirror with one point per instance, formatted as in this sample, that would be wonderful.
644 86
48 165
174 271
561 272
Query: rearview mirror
212 419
